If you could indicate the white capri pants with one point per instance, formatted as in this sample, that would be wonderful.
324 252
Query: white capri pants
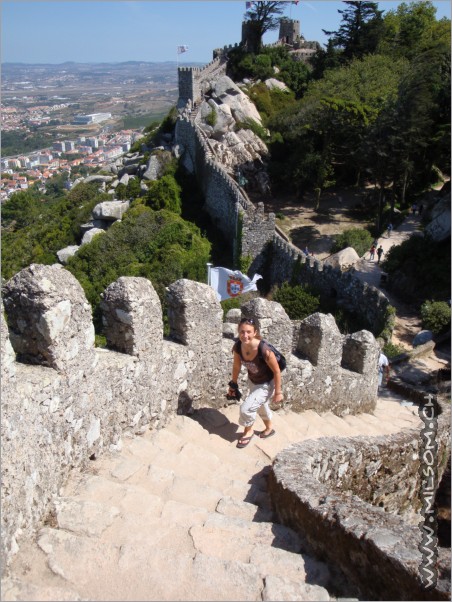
257 402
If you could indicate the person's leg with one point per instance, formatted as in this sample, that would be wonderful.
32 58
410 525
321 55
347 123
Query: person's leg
248 411
264 410
257 401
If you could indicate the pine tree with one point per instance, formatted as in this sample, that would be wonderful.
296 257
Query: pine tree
262 17
360 29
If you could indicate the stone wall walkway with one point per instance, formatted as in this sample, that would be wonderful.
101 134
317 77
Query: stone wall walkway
370 271
183 514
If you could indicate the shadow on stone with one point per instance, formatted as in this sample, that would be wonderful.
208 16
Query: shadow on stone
215 423
184 404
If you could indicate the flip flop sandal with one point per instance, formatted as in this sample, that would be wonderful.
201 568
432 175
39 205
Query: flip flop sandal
247 439
270 434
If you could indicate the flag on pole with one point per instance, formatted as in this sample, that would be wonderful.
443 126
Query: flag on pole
229 283
181 49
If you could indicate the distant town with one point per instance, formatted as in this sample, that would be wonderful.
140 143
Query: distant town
37 167
74 116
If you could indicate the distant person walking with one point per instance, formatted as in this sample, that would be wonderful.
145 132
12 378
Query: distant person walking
372 253
421 209
390 228
379 253
383 369
414 208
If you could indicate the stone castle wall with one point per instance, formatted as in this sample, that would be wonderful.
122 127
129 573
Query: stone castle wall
250 230
288 263
65 401
366 499
192 79
224 200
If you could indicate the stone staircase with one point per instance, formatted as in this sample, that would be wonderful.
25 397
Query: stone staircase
182 514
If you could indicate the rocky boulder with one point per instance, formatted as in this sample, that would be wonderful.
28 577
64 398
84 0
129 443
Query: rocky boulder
95 223
64 254
424 336
273 84
130 170
439 226
110 210
344 260
226 92
156 165
98 178
90 234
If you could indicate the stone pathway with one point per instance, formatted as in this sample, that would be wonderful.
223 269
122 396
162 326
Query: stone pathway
370 271
183 514
408 322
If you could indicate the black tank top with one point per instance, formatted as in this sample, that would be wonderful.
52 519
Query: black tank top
258 370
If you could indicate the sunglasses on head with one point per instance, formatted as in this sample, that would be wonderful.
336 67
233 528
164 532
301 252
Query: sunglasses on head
247 321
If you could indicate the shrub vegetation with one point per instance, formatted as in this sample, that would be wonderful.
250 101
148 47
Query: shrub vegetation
298 301
435 316
358 238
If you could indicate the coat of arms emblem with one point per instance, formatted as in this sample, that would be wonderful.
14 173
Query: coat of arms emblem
234 286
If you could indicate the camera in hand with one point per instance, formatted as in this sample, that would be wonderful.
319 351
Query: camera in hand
237 394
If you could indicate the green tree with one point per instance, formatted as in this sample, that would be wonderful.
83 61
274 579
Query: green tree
158 245
294 74
21 209
420 137
324 134
411 28
325 59
358 238
298 301
38 230
435 316
165 193
262 17
424 267
133 188
360 29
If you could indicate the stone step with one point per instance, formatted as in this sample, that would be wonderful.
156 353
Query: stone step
162 569
379 426
18 589
182 514
365 428
402 416
233 538
233 507
310 425
341 427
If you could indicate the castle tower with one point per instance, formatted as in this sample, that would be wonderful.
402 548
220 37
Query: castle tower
289 30
250 39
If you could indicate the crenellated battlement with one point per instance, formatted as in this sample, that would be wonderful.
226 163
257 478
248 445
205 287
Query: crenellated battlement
191 79
70 401
226 204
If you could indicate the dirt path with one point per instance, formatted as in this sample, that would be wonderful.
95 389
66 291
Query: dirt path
317 228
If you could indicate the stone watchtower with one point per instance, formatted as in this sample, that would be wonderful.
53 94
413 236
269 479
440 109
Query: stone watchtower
289 31
250 37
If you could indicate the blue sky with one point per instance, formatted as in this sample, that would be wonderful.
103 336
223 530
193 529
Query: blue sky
90 31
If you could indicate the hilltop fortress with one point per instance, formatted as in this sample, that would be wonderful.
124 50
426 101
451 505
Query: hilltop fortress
252 232
65 402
